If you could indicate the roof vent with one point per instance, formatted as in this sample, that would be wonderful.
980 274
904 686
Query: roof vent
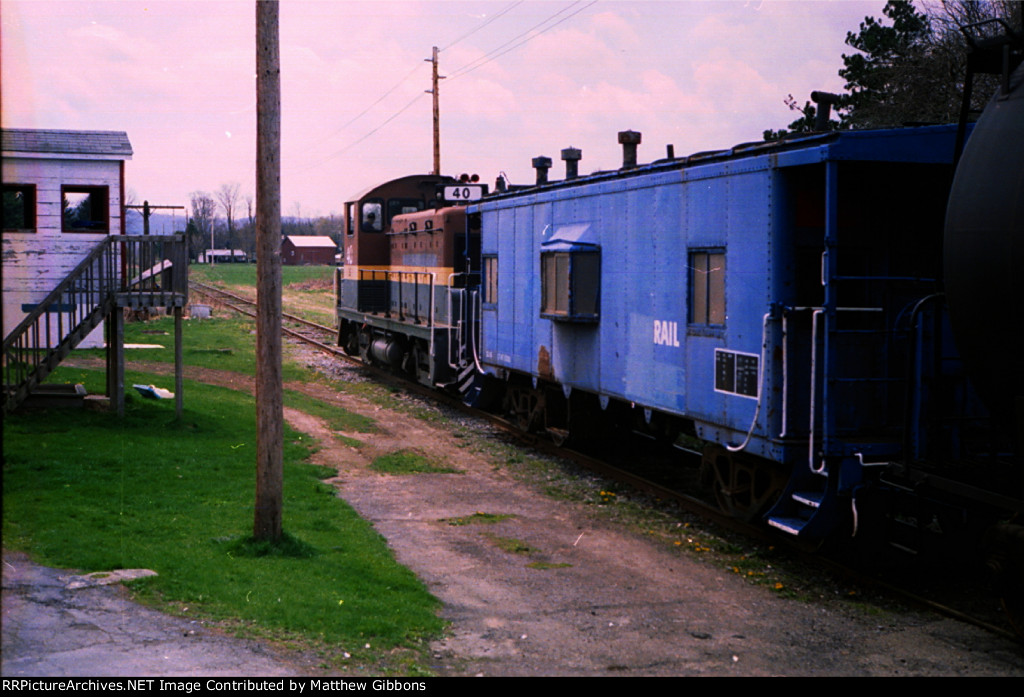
542 165
572 157
629 140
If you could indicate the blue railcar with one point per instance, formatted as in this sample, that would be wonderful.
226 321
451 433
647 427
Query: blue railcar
780 301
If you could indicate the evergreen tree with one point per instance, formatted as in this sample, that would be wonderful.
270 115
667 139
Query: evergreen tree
891 79
911 68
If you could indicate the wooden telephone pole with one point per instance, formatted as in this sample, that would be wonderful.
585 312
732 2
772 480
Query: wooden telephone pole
437 115
269 390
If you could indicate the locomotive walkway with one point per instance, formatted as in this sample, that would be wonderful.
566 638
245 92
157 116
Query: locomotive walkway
585 595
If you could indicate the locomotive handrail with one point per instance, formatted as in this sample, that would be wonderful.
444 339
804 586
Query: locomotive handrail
388 276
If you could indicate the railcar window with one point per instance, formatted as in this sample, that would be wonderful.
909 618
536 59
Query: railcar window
570 283
491 280
85 208
707 287
373 220
19 207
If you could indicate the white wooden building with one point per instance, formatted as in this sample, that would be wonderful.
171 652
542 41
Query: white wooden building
63 192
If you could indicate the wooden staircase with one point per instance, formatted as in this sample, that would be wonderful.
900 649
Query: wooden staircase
122 271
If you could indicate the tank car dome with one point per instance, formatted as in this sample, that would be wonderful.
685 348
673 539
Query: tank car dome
984 250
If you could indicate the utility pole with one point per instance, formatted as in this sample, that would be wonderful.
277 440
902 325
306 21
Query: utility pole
147 210
269 389
437 115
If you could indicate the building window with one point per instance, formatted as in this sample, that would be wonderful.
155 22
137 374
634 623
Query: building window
86 209
570 285
707 287
19 207
491 280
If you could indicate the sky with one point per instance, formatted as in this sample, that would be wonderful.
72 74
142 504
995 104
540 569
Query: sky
522 79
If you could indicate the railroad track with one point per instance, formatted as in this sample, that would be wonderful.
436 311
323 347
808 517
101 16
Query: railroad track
316 335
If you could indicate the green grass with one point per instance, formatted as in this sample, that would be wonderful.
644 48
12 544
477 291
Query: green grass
336 418
219 344
408 462
511 545
88 491
478 518
245 274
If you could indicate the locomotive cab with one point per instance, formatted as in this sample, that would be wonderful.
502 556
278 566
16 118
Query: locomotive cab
406 292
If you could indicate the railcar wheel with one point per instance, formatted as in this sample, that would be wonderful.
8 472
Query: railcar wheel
744 487
559 436
522 404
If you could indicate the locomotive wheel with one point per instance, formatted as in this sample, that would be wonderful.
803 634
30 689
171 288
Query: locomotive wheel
350 343
744 487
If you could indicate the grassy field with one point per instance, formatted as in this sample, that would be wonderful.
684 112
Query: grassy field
87 491
308 291
244 275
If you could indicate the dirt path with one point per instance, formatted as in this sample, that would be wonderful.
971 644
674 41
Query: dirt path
555 589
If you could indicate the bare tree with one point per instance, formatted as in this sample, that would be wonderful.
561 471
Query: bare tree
203 211
227 196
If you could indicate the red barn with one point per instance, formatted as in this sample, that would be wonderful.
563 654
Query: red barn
308 250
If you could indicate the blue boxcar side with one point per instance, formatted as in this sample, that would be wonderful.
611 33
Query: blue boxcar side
645 347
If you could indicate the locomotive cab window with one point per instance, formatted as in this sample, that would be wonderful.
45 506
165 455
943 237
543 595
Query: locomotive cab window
350 218
707 287
372 216
570 283
400 206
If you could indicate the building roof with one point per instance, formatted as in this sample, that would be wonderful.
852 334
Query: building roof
311 241
103 144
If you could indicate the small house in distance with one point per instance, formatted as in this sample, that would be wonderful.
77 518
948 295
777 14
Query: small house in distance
308 250
222 256
63 193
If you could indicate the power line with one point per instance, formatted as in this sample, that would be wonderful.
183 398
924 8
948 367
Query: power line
358 116
530 35
360 140
483 24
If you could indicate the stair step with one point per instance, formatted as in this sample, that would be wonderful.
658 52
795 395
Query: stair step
809 498
793 526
